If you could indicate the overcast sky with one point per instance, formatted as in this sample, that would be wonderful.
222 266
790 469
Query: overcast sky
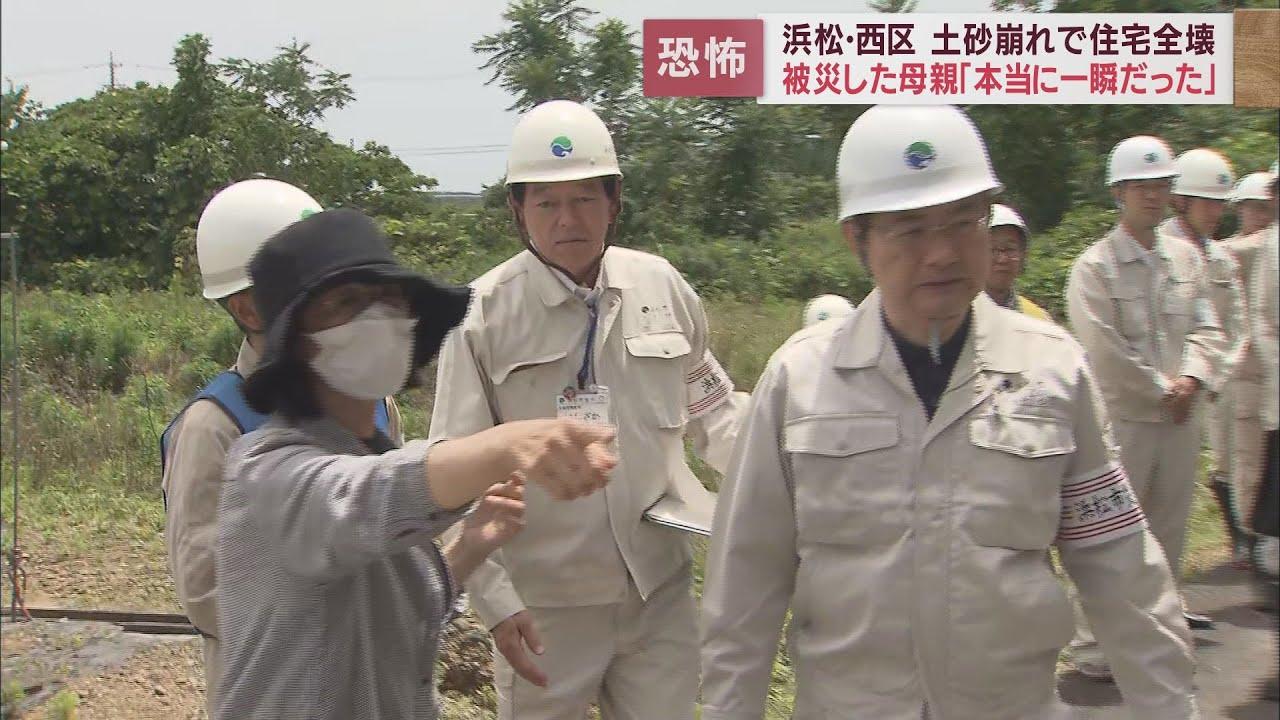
415 78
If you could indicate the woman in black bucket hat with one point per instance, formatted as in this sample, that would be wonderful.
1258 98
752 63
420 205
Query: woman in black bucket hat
331 591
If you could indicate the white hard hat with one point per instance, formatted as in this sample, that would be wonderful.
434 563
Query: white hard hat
903 157
1254 186
236 222
826 307
1142 157
1203 173
1005 216
560 141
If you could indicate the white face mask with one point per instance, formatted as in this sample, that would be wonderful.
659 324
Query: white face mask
369 356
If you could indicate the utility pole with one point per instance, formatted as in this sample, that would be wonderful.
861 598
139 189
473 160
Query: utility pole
111 64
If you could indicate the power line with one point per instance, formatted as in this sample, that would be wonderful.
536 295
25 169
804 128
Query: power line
441 153
412 78
421 148
56 71
110 64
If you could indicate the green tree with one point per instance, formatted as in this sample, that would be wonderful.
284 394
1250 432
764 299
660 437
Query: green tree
291 83
893 6
611 64
122 176
537 58
16 108
198 92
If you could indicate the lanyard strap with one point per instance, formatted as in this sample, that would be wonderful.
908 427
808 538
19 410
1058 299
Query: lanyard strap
588 369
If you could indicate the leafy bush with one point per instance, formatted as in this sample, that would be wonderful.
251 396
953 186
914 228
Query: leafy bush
1053 252
798 261
98 275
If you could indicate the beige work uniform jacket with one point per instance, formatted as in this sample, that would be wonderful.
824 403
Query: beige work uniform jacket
521 345
1145 319
1227 298
914 554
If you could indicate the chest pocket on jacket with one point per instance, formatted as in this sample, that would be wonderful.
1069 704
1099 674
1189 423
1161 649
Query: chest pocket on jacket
1179 297
1182 309
848 472
1131 312
658 361
1012 497
526 387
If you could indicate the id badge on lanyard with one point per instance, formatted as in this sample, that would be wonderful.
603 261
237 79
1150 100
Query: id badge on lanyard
588 402
589 406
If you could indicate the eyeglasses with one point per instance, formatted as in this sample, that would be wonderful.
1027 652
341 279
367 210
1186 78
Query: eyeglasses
965 228
1006 252
1153 186
341 304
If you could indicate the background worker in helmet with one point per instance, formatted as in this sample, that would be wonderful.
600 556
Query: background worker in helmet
1254 207
826 307
1200 192
1264 516
901 477
1009 239
1256 210
235 223
592 604
1139 302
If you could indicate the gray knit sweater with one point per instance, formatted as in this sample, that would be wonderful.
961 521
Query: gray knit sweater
331 592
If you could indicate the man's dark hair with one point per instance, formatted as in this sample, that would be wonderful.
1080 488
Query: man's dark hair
611 185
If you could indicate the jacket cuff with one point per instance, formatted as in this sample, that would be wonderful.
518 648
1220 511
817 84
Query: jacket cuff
1200 370
495 607
1181 707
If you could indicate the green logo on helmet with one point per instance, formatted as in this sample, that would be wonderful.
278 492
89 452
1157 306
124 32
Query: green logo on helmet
919 155
1151 157
306 213
1224 179
561 146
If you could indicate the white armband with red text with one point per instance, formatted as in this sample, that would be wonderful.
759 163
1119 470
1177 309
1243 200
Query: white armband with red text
1097 507
707 387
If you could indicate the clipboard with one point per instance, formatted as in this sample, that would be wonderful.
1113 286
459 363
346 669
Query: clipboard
690 512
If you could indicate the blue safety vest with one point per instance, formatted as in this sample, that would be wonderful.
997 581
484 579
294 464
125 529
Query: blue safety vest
227 390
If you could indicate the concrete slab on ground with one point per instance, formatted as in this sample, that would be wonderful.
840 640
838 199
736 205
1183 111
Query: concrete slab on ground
1234 659
43 656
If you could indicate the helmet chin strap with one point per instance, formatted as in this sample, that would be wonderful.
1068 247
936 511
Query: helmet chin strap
1182 212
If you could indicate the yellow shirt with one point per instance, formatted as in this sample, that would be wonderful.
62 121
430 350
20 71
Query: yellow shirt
1018 303
1026 307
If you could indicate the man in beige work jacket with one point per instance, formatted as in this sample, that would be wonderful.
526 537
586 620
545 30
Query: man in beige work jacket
600 597
1139 302
1256 211
235 223
1200 192
901 476
1265 320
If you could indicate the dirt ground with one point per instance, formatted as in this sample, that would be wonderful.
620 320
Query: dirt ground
115 674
